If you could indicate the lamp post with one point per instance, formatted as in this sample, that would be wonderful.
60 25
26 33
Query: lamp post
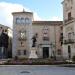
53 55
51 50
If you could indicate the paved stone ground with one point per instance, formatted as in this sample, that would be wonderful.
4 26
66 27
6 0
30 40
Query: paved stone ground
35 70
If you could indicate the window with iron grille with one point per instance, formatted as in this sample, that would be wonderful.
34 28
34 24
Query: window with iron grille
23 34
19 52
59 51
46 38
24 52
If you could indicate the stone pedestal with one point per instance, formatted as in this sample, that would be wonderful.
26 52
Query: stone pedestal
33 53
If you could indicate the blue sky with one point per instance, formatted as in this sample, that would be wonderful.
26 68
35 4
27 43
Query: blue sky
46 9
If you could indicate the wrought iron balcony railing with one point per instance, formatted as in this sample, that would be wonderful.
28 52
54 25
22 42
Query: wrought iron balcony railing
45 38
22 39
69 41
69 21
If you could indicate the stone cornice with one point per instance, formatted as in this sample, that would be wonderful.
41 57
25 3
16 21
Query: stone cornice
22 12
47 22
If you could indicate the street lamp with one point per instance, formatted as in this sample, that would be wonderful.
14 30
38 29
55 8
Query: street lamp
52 51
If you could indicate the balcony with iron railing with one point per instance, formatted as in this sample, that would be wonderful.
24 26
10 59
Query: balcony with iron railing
45 38
22 39
69 41
69 20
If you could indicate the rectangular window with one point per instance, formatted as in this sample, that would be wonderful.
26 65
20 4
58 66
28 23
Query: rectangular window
22 35
69 35
59 51
19 52
17 20
69 16
61 37
24 52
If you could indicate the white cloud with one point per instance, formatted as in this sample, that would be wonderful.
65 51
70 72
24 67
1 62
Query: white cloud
7 8
36 17
55 18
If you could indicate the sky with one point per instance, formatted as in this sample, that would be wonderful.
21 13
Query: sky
50 10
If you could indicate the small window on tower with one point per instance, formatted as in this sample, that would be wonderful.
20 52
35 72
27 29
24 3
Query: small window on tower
23 34
69 16
17 20
22 20
27 21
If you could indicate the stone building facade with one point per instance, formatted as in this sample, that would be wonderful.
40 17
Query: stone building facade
9 33
68 28
49 41
48 36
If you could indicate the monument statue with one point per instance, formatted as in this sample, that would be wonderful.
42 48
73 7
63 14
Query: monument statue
34 40
33 49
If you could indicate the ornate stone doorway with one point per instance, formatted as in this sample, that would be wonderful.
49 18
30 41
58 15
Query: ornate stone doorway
45 52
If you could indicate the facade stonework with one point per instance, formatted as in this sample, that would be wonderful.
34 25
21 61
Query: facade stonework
48 42
68 28
22 33
49 34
